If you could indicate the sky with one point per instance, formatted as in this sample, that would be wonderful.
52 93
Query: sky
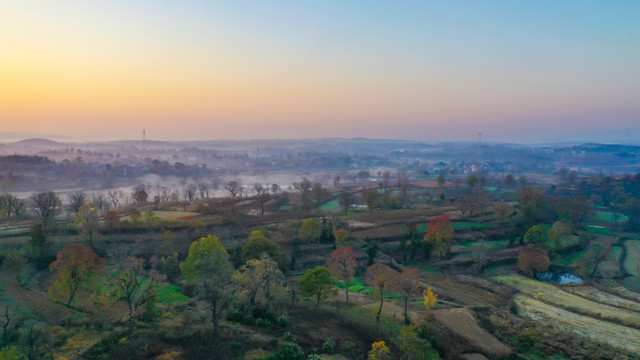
517 71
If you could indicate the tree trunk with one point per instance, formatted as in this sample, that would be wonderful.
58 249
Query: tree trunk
406 316
347 292
379 313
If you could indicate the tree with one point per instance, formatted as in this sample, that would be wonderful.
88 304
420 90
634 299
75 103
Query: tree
372 251
46 205
11 314
135 285
386 175
76 200
439 234
9 204
345 200
318 195
342 264
429 299
261 198
38 242
115 196
408 286
304 187
207 267
257 245
413 346
531 260
88 219
379 351
257 277
536 234
559 230
381 278
502 211
341 236
596 255
370 197
203 190
75 267
309 231
471 180
189 193
112 221
317 283
440 180
234 187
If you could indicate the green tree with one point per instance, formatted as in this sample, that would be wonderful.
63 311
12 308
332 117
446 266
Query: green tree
207 267
372 251
440 180
536 234
75 267
309 231
259 277
257 245
317 283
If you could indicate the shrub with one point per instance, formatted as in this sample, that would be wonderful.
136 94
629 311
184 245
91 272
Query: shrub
329 347
283 321
263 323
289 336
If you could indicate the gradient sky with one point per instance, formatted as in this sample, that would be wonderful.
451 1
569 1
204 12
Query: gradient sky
514 70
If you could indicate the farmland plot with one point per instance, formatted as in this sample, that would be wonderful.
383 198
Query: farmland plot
620 337
555 296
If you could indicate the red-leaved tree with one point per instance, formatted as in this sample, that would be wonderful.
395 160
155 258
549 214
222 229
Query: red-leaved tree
75 267
342 264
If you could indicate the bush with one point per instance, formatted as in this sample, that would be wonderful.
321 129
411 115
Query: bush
264 313
289 336
527 340
283 321
241 315
329 347
288 351
263 323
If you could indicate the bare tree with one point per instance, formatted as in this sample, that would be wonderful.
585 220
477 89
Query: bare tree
234 187
336 181
370 197
189 193
203 190
304 187
261 198
76 200
275 188
100 202
386 180
115 196
8 204
345 200
46 204
318 194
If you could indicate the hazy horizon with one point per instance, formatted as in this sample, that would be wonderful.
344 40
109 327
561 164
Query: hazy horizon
517 72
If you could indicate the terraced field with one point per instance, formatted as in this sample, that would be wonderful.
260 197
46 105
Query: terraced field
620 337
603 297
555 296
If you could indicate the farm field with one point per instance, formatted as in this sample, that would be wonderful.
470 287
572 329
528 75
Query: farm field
168 215
618 336
462 322
557 297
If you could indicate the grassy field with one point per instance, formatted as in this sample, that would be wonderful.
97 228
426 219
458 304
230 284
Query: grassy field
620 337
462 225
555 296
608 217
333 205
599 230
489 244
632 261
610 268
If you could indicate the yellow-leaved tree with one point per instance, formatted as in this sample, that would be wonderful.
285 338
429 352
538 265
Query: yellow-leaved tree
379 351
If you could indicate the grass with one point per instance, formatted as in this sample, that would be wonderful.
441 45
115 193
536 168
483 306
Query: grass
170 294
333 205
604 297
570 259
13 231
599 230
489 244
555 296
632 261
609 217
610 267
355 286
618 336
632 283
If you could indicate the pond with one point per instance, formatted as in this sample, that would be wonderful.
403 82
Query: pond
564 278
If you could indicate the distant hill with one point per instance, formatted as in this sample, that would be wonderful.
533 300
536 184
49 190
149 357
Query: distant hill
37 142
